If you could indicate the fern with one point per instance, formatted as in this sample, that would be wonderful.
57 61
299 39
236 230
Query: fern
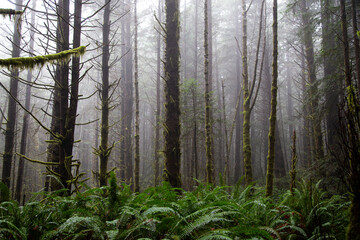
78 228
9 231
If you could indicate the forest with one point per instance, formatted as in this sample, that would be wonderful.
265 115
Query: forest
180 119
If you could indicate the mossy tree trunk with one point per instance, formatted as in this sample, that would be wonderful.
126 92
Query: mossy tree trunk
137 121
352 123
11 115
208 105
104 150
354 4
271 141
246 101
172 95
293 164
158 103
56 149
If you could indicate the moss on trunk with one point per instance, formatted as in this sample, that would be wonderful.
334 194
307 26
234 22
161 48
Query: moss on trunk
172 95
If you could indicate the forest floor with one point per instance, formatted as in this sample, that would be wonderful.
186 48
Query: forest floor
221 212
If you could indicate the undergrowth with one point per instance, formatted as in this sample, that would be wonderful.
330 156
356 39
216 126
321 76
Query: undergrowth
222 212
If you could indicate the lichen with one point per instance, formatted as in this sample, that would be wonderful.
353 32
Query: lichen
32 62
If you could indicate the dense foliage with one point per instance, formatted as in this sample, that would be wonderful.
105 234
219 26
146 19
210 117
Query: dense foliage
222 212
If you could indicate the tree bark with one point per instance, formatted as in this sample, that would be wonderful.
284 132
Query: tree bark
11 116
352 136
104 128
271 141
246 102
194 95
356 41
158 103
238 132
137 121
208 88
313 89
172 95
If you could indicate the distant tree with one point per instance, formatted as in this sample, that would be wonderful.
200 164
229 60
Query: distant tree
137 112
24 131
208 93
11 115
158 101
307 33
127 94
172 103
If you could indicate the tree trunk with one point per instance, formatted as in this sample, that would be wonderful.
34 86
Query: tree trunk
332 92
172 95
75 79
158 103
56 150
208 88
24 133
104 128
246 102
271 141
194 94
137 121
356 41
238 133
11 117
352 135
313 89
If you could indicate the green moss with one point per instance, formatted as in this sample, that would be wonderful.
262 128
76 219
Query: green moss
9 12
32 62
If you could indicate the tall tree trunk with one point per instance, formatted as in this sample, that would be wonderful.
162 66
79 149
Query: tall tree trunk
246 102
332 92
356 40
24 133
271 141
313 91
227 150
56 151
158 103
137 121
208 88
238 133
75 79
104 129
352 134
194 94
172 95
11 117
129 99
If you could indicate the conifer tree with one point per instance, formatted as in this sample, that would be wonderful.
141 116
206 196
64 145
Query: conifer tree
172 95
11 116
271 142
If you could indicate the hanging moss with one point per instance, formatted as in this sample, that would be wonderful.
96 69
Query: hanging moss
32 62
8 12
